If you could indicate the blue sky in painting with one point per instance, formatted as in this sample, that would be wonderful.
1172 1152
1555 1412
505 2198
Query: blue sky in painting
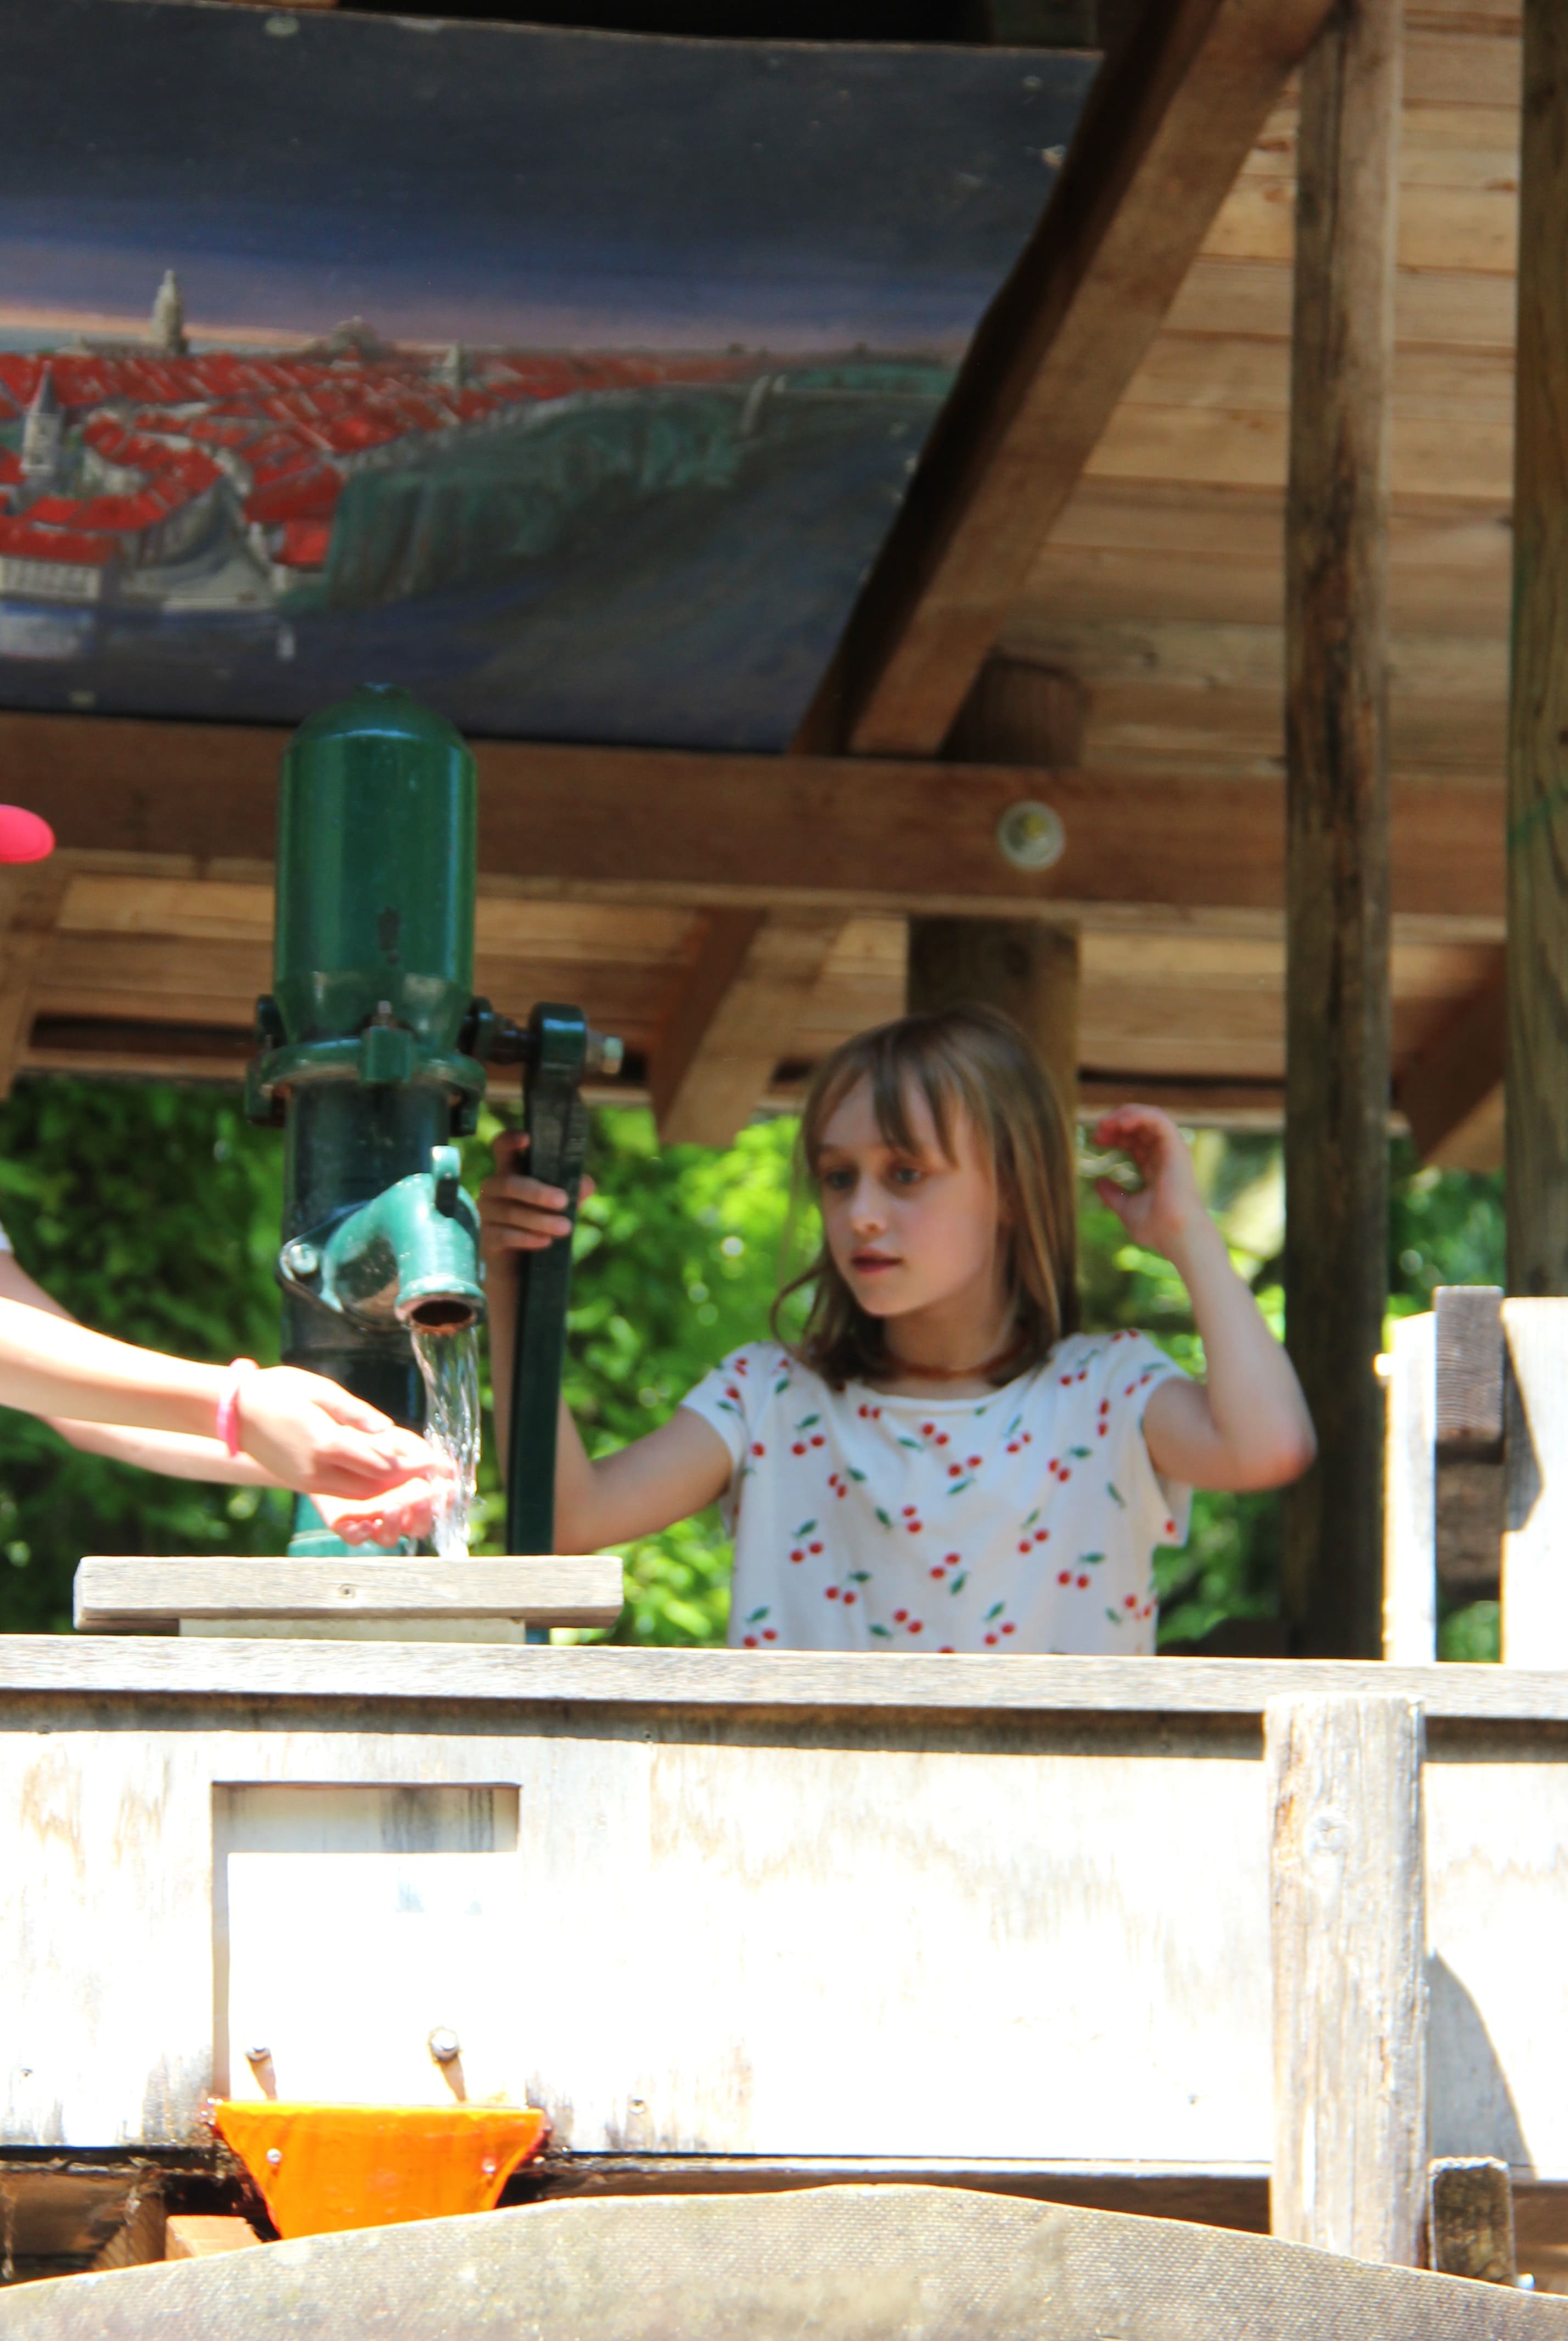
496 185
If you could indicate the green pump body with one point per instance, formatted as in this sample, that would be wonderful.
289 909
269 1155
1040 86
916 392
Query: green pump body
374 1052
367 1035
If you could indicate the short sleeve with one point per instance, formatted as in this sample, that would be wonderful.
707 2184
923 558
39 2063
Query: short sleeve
1157 1509
731 1398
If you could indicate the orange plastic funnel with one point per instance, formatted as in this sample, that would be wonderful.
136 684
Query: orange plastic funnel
322 2167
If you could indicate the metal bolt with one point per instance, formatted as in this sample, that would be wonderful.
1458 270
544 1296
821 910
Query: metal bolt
301 1259
444 2046
1031 835
257 2056
604 1054
275 2156
487 2165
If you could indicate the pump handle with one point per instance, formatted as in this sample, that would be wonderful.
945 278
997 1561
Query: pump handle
557 1123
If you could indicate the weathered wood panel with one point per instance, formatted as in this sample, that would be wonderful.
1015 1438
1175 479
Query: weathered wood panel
1349 1912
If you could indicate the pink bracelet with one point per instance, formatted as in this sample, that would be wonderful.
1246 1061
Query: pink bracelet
229 1403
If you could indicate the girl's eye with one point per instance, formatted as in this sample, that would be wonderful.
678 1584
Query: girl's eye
839 1182
906 1174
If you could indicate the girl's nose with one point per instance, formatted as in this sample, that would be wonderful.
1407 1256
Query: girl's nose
866 1214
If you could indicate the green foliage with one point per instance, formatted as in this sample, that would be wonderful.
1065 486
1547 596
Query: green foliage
150 1214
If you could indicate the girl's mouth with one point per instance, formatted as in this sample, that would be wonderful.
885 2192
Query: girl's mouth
867 1263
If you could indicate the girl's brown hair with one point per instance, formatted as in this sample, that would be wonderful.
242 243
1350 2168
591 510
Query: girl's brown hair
972 1061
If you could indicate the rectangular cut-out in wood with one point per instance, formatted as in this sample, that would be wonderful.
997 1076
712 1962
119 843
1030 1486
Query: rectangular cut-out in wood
1349 1982
135 1596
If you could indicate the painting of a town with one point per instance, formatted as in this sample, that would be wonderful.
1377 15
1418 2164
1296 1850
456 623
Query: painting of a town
571 380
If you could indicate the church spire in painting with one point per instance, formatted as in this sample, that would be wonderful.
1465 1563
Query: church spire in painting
168 329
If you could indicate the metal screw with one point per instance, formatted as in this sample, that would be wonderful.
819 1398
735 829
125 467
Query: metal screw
1031 835
257 2056
275 2156
487 2165
444 2046
301 1259
604 1054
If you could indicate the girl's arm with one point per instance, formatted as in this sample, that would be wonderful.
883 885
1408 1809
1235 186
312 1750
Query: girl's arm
675 1471
301 1430
402 1510
1247 1425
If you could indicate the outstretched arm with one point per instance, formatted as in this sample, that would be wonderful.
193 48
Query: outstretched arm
296 1429
675 1471
1247 1425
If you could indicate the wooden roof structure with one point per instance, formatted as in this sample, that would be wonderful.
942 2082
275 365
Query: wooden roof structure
1104 500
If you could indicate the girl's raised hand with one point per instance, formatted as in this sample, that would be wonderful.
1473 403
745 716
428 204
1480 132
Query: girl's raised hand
518 1213
1168 1204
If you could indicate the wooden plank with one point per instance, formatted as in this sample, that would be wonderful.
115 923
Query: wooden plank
53 1667
1349 1951
1167 129
1337 1046
1470 2219
206 2235
1537 1095
1409 1512
745 1000
1468 1439
1535 1499
130 1596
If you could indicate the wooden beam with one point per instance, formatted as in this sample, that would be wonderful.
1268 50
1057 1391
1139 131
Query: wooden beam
30 896
1023 714
1337 1040
734 831
1535 1482
1167 127
1446 1083
733 1022
1349 1956
1537 1092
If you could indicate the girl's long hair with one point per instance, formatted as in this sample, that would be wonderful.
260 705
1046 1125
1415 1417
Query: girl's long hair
969 1061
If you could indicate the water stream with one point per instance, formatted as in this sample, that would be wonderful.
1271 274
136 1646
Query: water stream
449 1364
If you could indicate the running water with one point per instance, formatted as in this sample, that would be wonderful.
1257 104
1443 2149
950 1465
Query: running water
449 1364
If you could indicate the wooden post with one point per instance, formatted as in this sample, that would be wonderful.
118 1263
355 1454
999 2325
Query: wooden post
1336 893
1348 1937
1016 714
1410 1498
1536 1090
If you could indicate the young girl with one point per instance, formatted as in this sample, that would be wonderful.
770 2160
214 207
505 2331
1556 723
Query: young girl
943 1461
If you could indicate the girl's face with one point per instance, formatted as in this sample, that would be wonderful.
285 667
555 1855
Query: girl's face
907 1231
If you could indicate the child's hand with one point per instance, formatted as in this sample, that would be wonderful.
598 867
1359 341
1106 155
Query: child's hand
312 1434
407 1510
1168 1205
516 1213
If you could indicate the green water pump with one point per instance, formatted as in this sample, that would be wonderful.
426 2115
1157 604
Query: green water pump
375 1059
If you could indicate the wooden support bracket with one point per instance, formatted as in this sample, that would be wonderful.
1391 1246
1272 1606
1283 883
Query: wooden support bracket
733 1020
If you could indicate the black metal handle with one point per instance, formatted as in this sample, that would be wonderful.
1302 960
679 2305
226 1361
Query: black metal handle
556 1120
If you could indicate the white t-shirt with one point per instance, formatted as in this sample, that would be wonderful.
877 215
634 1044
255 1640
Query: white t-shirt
1026 1521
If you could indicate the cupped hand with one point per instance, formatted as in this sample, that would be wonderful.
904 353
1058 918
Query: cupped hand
1169 1206
406 1510
517 1213
316 1437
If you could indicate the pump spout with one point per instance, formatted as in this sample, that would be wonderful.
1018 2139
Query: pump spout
410 1257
